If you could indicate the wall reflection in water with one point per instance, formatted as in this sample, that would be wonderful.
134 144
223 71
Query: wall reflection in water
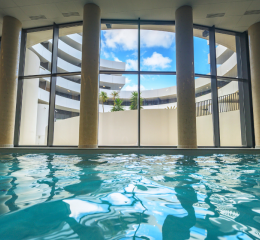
129 197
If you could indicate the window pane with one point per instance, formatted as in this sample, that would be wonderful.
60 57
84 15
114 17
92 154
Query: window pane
70 49
201 51
118 110
158 49
119 47
35 111
226 55
38 53
229 113
204 112
158 110
67 105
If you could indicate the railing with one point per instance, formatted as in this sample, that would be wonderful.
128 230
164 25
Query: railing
204 108
226 103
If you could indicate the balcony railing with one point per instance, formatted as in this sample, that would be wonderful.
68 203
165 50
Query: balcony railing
226 103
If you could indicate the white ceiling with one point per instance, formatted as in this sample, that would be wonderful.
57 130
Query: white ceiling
234 10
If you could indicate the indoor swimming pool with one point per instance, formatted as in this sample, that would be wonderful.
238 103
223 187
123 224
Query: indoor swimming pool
116 196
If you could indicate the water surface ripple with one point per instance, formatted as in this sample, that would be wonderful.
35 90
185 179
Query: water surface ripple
51 196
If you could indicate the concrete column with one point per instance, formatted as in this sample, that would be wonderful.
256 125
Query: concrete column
254 50
88 124
9 55
186 110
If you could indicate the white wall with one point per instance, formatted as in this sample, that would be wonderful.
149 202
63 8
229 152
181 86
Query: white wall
158 128
42 124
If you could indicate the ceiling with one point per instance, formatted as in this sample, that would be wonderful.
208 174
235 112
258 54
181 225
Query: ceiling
234 18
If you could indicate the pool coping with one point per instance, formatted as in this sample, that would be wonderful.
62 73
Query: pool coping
142 150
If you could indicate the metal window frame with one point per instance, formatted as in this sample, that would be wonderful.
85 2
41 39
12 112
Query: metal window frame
246 112
54 60
19 97
243 76
214 87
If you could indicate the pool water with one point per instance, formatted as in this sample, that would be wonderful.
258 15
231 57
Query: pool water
49 196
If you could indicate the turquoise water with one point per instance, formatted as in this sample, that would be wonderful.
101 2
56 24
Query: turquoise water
48 196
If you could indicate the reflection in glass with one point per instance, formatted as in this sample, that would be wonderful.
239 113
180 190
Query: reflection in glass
158 49
35 111
118 96
226 55
229 113
67 106
119 47
158 110
38 53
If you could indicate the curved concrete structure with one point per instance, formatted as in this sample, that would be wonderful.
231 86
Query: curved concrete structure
10 45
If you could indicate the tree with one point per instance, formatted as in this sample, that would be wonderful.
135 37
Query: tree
118 106
103 98
114 95
134 101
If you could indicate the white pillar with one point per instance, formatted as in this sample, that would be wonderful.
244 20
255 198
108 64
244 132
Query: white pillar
88 127
10 46
186 110
254 50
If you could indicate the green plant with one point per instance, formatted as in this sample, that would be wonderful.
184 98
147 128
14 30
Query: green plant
134 101
114 95
118 106
103 98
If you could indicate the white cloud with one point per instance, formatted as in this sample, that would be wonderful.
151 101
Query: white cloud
127 38
133 88
106 54
157 60
117 60
131 64
127 80
151 38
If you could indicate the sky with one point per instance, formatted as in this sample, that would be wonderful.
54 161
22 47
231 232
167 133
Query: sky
158 53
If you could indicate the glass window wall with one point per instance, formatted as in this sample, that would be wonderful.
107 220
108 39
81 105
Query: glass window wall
204 121
38 53
158 114
67 106
201 51
229 113
118 116
158 49
69 49
119 47
119 121
226 55
35 111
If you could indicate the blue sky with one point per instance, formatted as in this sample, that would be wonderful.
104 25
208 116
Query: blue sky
158 53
